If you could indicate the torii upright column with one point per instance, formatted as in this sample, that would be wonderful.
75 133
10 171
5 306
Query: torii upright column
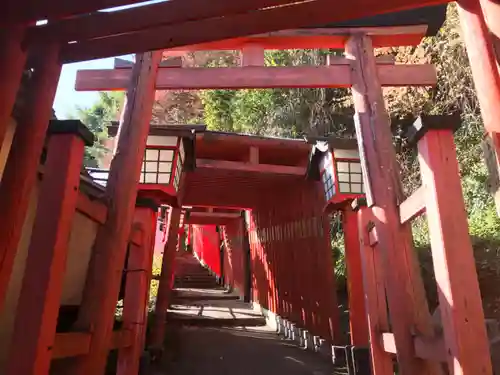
158 331
108 255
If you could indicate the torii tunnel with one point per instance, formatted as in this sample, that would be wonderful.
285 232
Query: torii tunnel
277 183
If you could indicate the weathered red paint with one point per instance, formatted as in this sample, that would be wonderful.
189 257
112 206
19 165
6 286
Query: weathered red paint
255 77
234 264
405 289
374 293
357 314
206 245
247 23
108 256
454 266
297 212
167 270
21 169
139 268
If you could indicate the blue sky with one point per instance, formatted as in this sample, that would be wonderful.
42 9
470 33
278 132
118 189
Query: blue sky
67 99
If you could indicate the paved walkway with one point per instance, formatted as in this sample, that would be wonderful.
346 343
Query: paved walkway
211 333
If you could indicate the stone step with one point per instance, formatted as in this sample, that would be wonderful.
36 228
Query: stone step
215 322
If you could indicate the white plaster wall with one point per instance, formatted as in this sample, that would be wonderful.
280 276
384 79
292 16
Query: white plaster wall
82 236
81 240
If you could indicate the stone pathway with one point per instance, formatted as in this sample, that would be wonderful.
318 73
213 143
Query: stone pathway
216 334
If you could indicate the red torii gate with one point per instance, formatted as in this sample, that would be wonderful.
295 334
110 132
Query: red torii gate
410 309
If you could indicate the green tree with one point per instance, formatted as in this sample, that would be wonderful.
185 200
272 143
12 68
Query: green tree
97 118
280 112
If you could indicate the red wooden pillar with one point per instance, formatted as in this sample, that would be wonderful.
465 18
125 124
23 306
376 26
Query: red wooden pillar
335 334
405 290
310 292
460 304
251 240
357 313
271 249
105 269
267 258
295 266
139 269
319 287
278 259
38 306
22 164
162 299
12 60
374 293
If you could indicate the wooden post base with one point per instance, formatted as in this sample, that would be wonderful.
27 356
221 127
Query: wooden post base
357 314
138 281
162 299
374 293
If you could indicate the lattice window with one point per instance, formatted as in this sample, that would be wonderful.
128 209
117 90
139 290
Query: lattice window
350 177
157 166
327 176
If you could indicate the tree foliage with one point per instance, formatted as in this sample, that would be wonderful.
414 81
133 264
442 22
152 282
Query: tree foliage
97 118
280 112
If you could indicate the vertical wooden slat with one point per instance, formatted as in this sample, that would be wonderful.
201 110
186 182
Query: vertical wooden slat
253 156
374 292
139 268
108 256
162 299
22 165
405 290
38 306
274 260
318 269
357 313
306 262
12 60
275 244
460 304
330 291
